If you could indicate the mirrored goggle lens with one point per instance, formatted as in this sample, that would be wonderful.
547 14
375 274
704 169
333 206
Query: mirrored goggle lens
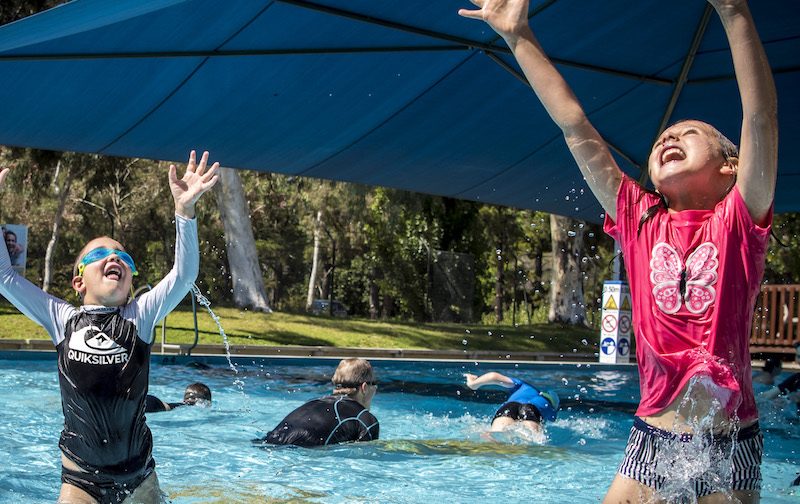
103 252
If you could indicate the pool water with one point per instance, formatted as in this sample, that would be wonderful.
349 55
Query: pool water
431 448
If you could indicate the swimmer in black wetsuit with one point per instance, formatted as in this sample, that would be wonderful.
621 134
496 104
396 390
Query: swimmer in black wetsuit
104 352
195 394
526 405
338 418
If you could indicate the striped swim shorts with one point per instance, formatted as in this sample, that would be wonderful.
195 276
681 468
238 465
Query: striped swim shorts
677 465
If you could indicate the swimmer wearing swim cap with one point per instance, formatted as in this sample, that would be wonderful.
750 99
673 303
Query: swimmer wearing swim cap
526 405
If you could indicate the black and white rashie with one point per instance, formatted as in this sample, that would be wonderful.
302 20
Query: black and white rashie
329 420
104 361
103 369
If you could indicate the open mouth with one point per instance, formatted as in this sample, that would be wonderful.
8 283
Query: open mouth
113 271
672 154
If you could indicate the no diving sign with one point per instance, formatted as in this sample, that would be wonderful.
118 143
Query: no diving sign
624 324
610 323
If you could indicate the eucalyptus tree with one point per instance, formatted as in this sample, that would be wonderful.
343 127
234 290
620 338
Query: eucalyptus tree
566 286
276 212
240 244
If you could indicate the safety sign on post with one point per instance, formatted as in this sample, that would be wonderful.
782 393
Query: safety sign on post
616 329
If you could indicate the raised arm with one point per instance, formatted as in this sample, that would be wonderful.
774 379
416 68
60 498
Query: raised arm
509 18
758 147
166 295
491 378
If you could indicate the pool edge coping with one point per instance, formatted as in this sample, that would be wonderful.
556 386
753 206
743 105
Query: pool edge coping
323 352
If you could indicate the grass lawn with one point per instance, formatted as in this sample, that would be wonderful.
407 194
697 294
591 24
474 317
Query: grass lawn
276 329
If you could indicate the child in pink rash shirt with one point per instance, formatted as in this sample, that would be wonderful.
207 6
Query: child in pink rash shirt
694 251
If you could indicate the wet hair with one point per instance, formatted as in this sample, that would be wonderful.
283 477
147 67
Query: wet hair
7 232
196 392
728 150
772 364
350 374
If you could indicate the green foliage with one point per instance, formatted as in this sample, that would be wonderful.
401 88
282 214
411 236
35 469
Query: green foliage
385 239
783 259
250 328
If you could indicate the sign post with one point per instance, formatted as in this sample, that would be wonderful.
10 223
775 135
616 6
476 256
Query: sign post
616 330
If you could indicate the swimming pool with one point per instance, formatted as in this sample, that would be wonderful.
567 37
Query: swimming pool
430 450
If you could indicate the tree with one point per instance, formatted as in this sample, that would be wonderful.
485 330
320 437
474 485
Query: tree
566 293
248 283
312 280
62 185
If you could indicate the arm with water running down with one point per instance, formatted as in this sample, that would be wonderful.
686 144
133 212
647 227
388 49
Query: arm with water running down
509 18
165 296
758 146
44 309
491 378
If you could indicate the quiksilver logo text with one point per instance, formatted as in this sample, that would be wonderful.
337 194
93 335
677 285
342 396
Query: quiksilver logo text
86 358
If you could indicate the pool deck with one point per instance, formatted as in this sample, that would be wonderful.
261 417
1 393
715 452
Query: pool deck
324 352
332 352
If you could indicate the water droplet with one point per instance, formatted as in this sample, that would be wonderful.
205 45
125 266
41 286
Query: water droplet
564 381
463 342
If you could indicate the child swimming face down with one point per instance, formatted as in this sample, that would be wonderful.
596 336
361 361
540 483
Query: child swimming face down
693 165
104 282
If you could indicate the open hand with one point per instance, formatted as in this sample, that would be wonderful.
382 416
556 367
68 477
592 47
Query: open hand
194 183
507 17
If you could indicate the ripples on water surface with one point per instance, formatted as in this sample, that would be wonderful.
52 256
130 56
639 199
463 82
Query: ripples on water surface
431 447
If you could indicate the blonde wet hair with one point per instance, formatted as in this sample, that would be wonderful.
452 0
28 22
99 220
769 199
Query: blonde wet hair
350 374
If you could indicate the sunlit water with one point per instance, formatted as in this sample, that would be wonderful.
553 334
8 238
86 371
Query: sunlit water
431 448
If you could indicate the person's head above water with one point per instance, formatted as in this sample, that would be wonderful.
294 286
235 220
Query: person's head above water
197 392
693 165
103 273
355 378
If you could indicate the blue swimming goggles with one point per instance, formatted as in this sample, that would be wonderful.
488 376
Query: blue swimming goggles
101 253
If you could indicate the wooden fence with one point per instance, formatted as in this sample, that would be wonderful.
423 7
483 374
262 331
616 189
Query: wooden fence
775 321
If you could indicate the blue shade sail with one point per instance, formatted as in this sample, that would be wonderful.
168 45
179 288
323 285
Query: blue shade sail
399 94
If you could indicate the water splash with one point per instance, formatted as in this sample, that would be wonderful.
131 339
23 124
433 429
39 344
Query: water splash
701 457
204 302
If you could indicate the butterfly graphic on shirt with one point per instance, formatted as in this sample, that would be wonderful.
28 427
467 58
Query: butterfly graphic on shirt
676 283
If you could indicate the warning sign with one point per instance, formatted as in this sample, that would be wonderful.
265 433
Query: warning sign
609 323
624 324
623 347
616 329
